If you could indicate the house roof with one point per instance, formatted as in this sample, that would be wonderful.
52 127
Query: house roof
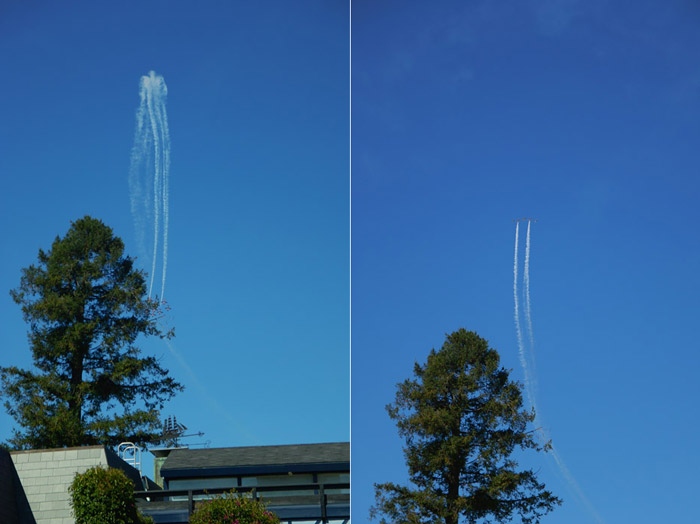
14 507
257 460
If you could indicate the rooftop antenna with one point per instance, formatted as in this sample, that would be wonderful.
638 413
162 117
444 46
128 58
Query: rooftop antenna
173 431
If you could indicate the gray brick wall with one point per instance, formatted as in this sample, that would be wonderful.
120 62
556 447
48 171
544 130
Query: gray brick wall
46 475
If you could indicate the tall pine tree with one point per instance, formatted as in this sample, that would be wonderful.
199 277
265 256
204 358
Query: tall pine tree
86 306
462 418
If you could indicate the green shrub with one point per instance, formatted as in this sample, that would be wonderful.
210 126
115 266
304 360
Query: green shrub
104 496
231 508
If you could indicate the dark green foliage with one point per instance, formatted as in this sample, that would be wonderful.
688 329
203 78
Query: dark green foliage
462 418
234 509
86 305
104 496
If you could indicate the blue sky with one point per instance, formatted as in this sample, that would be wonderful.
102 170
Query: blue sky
258 261
465 116
586 116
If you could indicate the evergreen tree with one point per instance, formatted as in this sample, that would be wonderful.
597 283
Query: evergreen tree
86 306
462 418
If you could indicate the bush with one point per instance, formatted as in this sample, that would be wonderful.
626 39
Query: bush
231 508
104 496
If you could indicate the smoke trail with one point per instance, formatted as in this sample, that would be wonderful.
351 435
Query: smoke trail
210 400
526 285
515 293
149 175
573 484
518 330
156 180
528 316
530 377
138 191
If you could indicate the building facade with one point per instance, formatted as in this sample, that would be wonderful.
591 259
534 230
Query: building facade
45 475
299 482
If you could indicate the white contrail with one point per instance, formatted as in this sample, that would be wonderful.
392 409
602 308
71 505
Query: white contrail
137 192
156 175
166 188
574 485
526 285
518 330
528 317
149 175
210 400
530 377
515 293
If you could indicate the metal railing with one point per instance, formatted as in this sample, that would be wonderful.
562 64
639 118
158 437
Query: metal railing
315 504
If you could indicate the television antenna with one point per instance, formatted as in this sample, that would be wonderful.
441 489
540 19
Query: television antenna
173 431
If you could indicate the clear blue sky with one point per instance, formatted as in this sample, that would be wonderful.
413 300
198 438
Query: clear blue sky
465 115
586 116
258 263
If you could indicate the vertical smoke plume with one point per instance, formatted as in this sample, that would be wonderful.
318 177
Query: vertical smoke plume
149 193
521 344
526 285
530 357
149 176
528 371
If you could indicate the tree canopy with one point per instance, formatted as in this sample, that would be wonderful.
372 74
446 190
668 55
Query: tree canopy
462 418
86 306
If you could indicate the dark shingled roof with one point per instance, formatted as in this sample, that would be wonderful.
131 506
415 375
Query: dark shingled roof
250 460
114 461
